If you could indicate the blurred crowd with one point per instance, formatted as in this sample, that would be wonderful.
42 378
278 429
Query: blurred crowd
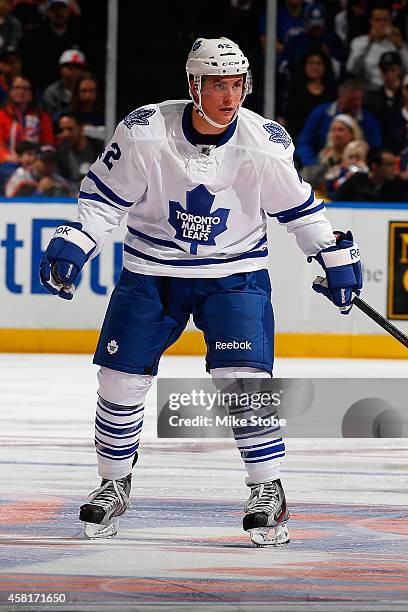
341 87
51 111
342 93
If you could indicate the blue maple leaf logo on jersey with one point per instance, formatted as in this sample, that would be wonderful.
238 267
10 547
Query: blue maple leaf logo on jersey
140 116
277 134
195 223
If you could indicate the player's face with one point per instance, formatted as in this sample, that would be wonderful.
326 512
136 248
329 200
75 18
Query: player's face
221 96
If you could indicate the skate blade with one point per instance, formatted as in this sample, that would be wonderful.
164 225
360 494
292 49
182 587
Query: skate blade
259 536
94 531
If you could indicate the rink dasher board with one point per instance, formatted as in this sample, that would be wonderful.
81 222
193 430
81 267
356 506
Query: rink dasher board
307 325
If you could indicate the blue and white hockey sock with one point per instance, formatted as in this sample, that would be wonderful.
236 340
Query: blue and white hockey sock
262 456
262 449
117 433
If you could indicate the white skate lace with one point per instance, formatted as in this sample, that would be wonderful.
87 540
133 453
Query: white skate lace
109 495
264 498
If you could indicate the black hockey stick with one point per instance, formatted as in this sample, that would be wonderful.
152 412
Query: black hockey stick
373 314
380 320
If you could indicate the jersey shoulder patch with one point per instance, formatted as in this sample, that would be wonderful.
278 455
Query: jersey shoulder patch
140 116
277 134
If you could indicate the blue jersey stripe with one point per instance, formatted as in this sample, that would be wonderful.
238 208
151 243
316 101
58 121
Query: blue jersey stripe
295 209
96 198
158 241
303 213
173 245
193 262
107 191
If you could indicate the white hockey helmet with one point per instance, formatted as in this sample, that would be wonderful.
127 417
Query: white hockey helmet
216 56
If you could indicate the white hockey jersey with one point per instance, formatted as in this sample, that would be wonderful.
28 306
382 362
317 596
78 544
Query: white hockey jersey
198 211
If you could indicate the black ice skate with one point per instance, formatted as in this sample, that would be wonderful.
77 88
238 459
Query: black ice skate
106 504
266 509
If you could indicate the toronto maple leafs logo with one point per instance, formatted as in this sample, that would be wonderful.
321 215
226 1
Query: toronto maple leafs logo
196 223
140 116
196 45
277 134
112 347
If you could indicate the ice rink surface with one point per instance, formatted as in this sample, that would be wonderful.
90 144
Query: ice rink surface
181 546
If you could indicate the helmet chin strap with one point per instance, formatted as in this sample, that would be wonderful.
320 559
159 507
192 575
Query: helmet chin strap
214 123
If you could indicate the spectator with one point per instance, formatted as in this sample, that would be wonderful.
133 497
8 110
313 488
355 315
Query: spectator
400 125
86 102
44 45
21 119
11 63
11 31
26 11
313 84
386 102
22 182
343 129
290 20
352 21
76 152
366 50
313 35
57 96
47 181
354 160
10 67
350 102
381 184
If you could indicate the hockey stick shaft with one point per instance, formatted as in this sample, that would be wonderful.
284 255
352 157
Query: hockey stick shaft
380 320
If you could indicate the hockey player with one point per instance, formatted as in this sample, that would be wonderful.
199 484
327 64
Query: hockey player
196 180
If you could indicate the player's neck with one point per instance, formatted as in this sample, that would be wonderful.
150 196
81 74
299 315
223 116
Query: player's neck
202 126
